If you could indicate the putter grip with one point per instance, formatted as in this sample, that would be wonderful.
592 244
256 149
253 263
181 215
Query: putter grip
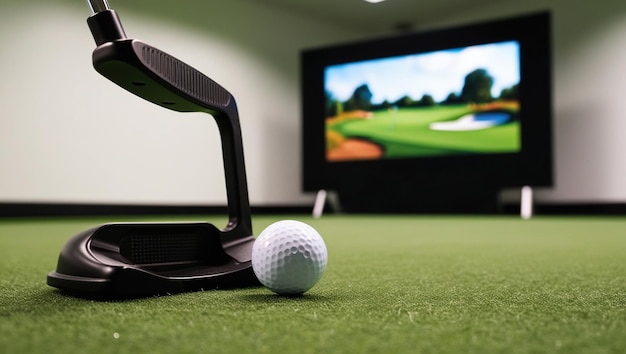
182 76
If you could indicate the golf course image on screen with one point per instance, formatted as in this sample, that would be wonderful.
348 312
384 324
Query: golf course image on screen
450 102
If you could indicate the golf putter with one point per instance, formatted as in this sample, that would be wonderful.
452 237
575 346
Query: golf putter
141 259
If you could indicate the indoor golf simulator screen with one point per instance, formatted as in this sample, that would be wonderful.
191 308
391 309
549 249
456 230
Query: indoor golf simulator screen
449 102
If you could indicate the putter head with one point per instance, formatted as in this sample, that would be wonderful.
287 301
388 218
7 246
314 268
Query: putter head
140 259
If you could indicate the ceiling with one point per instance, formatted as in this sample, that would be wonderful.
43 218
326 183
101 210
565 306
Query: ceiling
384 16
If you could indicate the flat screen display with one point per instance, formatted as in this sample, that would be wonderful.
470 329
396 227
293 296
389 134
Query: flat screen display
431 121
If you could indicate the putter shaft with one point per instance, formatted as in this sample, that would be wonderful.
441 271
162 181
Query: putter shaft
98 5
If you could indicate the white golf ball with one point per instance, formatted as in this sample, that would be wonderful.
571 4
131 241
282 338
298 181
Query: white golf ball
289 257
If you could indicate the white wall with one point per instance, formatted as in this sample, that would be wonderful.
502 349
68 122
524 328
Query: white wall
69 135
589 66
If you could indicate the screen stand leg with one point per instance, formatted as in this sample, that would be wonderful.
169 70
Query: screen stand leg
322 197
320 202
526 203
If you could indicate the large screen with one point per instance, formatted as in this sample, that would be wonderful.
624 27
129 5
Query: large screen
437 120
454 101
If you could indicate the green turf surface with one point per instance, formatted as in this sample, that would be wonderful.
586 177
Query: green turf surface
393 285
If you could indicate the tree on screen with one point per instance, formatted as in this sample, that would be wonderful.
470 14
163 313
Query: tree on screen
361 99
477 87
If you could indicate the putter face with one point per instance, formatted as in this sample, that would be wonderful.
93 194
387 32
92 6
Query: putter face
151 258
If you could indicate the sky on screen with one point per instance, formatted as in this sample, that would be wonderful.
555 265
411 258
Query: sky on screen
436 73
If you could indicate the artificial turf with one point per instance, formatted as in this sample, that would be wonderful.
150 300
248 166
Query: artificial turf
394 284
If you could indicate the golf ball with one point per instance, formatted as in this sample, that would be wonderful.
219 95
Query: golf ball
289 257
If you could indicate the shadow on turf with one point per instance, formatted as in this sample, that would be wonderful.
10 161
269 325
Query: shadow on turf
252 298
275 298
116 297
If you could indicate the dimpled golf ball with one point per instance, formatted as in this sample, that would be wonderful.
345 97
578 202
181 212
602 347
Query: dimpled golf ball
289 257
